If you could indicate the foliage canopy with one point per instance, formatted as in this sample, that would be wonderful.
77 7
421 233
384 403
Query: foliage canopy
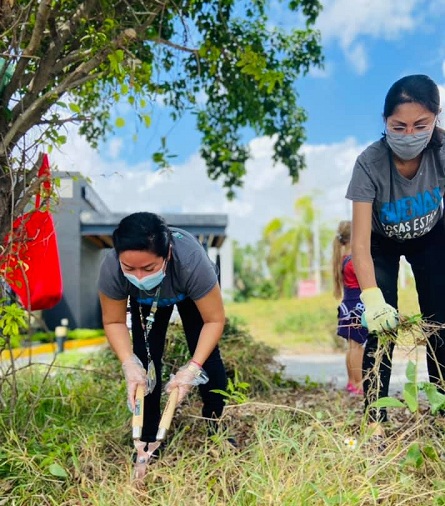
65 61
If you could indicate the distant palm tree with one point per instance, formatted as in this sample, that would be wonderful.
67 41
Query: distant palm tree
296 247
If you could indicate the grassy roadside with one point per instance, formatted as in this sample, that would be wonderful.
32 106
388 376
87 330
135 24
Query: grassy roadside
66 437
69 444
301 325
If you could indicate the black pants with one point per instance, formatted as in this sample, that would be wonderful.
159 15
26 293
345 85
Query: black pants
427 258
213 403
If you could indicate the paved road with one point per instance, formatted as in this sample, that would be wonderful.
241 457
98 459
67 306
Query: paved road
326 368
331 369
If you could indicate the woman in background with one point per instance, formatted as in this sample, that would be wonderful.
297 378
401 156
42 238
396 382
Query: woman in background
350 310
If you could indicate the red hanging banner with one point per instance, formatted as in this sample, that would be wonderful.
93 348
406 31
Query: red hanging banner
32 264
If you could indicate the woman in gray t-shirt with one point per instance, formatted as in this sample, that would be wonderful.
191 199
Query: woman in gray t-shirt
397 189
157 267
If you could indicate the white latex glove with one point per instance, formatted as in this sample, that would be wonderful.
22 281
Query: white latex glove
378 314
188 376
135 375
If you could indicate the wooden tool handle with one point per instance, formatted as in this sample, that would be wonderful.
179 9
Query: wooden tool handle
138 413
167 415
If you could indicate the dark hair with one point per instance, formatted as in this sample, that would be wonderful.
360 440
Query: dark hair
142 232
418 89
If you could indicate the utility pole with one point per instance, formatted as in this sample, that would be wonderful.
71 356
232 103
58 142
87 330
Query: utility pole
317 253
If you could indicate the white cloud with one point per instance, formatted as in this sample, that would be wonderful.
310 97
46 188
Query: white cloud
347 21
267 192
115 147
322 73
358 58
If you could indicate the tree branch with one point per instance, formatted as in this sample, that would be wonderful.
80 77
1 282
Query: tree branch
27 112
36 36
63 32
24 190
169 43
36 110
63 121
74 57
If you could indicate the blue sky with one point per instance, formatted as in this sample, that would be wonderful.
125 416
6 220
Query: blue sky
367 46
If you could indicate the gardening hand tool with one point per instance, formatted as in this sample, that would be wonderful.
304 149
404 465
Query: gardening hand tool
188 375
378 314
135 375
143 456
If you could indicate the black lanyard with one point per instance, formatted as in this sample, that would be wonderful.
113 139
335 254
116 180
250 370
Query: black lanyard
146 327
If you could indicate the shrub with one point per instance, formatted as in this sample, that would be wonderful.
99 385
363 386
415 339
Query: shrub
49 337
252 361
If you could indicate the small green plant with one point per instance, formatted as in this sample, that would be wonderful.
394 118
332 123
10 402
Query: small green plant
235 391
417 455
410 394
13 322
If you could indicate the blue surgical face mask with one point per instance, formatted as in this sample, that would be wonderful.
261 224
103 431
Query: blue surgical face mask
408 146
147 282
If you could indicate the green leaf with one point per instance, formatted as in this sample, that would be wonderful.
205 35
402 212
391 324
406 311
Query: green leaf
435 398
411 371
387 402
414 456
431 453
57 470
147 120
74 107
120 122
158 157
410 394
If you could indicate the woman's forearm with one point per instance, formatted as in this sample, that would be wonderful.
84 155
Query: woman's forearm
119 339
361 244
364 269
208 339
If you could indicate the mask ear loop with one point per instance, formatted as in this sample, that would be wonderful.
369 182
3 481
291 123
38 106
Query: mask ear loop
168 257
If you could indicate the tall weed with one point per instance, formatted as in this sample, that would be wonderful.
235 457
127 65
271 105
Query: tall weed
68 442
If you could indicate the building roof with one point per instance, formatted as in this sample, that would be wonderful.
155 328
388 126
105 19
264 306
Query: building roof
210 229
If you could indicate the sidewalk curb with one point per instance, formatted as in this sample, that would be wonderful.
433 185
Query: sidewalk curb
50 348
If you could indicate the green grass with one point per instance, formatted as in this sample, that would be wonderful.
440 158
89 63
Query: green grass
299 325
70 445
50 337
66 435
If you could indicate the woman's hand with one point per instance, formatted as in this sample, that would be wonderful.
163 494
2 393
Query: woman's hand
188 376
378 315
135 375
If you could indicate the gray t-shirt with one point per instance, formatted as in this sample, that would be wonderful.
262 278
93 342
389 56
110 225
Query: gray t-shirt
401 208
190 274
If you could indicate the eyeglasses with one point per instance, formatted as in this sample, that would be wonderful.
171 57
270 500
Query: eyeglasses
405 129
